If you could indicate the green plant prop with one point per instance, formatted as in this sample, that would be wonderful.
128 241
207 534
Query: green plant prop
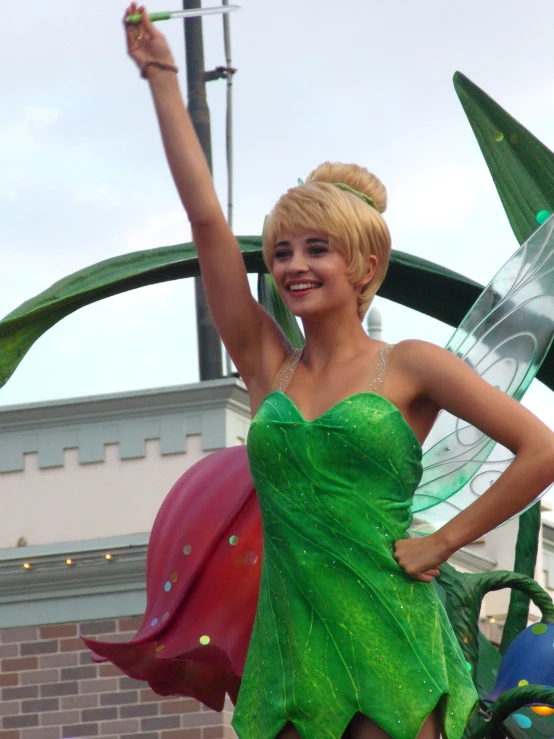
268 296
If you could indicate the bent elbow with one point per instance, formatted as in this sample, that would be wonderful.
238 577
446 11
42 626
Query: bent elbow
542 458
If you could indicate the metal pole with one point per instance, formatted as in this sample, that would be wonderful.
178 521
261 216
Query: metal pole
209 345
228 140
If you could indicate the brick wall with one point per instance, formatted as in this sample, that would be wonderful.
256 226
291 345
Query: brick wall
51 690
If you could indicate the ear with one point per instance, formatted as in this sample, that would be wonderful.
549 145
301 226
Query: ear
372 266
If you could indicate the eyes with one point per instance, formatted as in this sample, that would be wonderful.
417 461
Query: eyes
313 250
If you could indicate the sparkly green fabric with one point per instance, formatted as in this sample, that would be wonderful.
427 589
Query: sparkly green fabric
340 628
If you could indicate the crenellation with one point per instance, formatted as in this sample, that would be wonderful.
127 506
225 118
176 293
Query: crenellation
217 413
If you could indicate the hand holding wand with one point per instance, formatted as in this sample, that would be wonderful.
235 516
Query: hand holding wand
135 18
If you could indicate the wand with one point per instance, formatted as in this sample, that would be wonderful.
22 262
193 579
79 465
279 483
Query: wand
132 20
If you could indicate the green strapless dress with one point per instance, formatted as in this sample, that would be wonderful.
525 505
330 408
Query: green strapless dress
340 628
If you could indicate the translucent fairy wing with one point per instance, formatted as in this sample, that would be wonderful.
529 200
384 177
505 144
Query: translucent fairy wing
504 337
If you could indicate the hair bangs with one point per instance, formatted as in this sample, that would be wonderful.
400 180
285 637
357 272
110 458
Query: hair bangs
299 209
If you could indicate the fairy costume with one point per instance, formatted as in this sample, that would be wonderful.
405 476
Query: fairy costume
340 627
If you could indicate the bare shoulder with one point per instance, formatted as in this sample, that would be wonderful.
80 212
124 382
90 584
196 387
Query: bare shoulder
434 373
441 377
420 360
412 352
437 373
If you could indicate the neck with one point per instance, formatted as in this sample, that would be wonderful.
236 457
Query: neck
332 338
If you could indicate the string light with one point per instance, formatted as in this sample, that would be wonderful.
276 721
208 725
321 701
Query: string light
108 556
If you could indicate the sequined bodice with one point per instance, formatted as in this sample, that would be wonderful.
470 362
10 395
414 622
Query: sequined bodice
340 627
360 452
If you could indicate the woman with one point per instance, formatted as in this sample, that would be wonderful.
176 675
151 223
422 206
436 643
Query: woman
349 638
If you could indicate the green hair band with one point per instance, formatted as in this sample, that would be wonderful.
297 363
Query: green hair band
358 194
347 188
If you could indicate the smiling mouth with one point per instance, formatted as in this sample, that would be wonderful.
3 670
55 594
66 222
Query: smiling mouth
302 287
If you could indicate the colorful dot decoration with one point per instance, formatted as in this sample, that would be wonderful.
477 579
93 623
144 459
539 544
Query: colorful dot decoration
160 647
167 587
542 710
469 666
233 541
542 216
522 683
524 722
513 138
174 577
187 549
498 136
154 622
204 640
539 629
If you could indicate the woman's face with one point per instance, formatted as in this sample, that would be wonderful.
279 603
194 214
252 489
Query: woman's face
311 276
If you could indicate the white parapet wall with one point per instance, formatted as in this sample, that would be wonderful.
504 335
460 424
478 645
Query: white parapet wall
86 468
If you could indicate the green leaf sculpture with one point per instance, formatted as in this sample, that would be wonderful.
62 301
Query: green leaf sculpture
412 281
268 296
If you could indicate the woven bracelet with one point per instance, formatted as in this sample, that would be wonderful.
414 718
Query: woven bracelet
160 65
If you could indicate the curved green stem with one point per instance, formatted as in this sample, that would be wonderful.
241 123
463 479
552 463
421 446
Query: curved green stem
465 594
509 702
525 562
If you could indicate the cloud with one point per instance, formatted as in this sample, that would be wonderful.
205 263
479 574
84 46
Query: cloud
21 144
21 135
158 228
40 116
440 197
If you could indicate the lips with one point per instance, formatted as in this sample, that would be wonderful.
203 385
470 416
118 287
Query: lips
302 287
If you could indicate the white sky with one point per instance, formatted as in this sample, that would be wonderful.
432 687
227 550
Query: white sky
84 177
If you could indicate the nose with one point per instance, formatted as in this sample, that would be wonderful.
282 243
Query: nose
298 262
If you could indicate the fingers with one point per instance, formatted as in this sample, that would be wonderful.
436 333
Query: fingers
427 576
134 32
147 23
131 10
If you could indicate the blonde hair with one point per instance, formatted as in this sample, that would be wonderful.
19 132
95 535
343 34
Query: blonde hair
354 228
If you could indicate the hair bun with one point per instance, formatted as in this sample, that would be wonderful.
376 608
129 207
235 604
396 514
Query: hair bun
356 177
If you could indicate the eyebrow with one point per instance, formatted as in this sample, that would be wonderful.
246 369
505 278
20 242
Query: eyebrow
311 240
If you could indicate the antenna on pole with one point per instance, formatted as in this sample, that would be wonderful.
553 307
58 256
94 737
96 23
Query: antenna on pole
227 73
229 115
228 139
209 343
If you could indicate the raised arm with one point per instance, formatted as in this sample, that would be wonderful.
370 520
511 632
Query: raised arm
254 341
